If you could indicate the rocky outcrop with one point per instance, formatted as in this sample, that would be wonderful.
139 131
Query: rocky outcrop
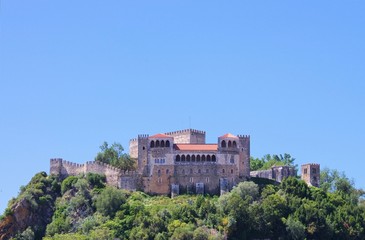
22 216
34 209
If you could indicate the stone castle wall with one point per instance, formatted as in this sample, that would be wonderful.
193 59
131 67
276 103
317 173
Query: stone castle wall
114 176
277 173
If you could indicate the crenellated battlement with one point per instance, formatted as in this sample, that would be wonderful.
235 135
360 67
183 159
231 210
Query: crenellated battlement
64 168
243 136
185 131
311 164
143 136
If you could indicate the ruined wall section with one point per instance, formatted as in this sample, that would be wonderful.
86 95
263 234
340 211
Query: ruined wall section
191 136
262 174
277 173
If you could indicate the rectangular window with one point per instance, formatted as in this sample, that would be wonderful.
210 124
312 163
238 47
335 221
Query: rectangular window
191 179
314 170
305 171
207 180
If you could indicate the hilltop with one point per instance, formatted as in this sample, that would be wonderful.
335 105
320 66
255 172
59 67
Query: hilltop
84 207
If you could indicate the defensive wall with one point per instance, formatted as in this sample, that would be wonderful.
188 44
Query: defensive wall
128 180
277 173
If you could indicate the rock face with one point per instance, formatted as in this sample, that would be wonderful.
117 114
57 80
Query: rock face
34 209
22 217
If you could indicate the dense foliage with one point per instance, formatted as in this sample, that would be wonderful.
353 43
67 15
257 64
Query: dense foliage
84 207
268 161
90 210
115 156
33 206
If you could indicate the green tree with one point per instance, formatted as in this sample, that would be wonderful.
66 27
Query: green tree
295 228
115 156
268 161
68 183
109 201
247 190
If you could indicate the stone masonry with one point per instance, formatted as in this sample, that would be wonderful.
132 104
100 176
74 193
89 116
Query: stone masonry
180 162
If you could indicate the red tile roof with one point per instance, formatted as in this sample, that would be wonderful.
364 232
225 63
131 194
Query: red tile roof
196 147
228 135
160 135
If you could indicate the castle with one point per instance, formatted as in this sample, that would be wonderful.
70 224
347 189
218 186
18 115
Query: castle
182 162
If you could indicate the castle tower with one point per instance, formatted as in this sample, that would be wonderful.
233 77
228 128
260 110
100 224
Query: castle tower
161 141
311 174
231 144
190 136
244 163
142 153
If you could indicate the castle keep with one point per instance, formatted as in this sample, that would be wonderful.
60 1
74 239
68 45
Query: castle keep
182 162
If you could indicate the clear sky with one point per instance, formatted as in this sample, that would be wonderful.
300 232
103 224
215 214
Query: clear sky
76 73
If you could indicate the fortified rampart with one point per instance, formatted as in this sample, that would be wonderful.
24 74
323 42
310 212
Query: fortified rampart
115 177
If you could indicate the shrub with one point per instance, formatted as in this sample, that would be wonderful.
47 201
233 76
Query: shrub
96 180
109 201
68 183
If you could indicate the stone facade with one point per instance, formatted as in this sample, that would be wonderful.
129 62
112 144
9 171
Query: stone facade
276 173
174 163
181 162
311 174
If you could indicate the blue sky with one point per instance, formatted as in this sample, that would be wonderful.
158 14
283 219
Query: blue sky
76 73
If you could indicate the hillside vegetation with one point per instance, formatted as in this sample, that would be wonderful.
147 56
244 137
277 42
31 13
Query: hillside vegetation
84 207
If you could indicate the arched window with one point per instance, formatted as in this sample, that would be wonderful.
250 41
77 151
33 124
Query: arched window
234 144
177 158
229 143
188 158
162 143
213 158
198 158
157 143
193 158
152 144
167 171
208 158
167 143
159 172
203 158
183 171
223 144
199 171
183 158
231 170
223 171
